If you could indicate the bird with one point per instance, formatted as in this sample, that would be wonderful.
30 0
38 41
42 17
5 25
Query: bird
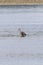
21 33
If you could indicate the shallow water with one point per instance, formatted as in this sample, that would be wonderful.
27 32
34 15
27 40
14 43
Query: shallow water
28 51
15 50
28 18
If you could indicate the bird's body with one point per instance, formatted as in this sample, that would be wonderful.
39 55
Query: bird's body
21 33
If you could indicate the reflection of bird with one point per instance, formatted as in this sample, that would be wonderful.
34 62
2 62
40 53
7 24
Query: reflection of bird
22 34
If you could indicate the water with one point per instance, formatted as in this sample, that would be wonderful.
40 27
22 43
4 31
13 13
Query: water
28 50
28 18
15 50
